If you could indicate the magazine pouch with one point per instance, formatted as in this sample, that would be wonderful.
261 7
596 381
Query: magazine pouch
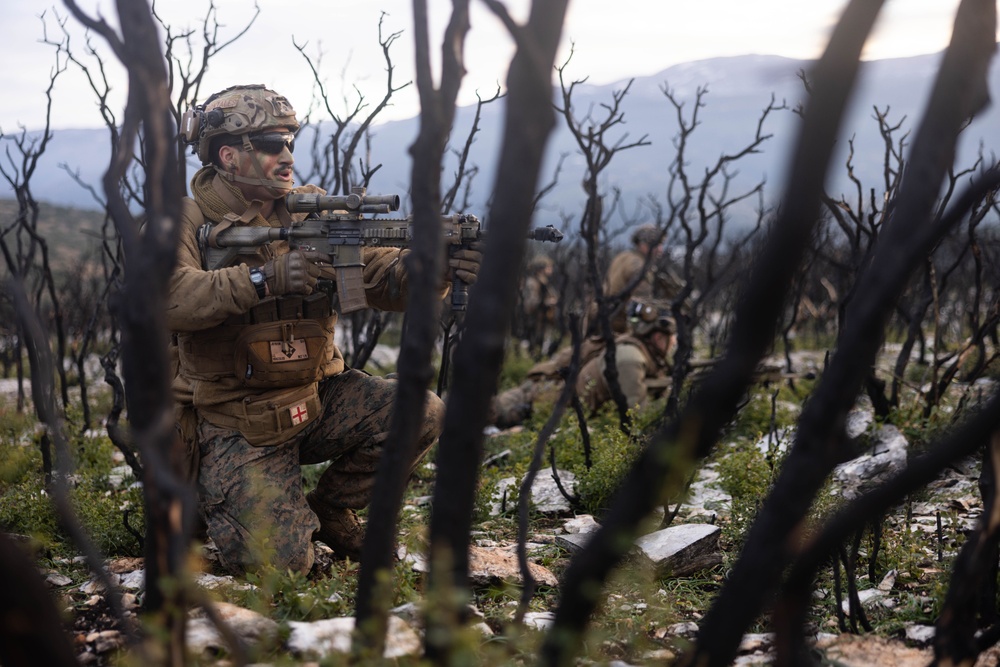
283 353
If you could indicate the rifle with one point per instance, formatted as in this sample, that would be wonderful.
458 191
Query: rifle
342 225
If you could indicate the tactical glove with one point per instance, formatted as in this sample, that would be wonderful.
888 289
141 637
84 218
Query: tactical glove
294 272
463 263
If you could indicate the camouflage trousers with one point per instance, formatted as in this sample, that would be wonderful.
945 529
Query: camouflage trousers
251 498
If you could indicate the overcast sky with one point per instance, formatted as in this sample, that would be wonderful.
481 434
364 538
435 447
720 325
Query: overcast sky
613 40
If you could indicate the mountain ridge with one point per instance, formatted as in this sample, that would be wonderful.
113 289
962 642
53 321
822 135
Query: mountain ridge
737 89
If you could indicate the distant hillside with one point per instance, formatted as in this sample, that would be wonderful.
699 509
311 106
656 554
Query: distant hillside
69 232
738 89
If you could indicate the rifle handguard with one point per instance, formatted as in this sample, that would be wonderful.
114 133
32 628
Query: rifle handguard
340 230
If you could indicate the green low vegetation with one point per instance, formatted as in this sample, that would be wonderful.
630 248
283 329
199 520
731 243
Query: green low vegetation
640 604
26 508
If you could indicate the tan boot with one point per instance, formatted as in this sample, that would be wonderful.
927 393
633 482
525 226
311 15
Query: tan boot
339 528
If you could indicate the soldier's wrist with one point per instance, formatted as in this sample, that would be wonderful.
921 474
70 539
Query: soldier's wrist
259 281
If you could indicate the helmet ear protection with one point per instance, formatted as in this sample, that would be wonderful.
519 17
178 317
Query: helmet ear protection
193 120
645 318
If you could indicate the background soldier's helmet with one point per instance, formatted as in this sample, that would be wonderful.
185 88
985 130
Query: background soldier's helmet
648 234
236 111
645 317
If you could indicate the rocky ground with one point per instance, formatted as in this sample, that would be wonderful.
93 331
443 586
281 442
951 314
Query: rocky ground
688 546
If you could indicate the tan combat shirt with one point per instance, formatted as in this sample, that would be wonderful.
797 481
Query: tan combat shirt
200 302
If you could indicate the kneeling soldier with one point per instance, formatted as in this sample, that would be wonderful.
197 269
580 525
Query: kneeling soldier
260 385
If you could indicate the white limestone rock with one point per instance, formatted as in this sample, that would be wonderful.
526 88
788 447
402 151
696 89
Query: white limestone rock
684 549
320 639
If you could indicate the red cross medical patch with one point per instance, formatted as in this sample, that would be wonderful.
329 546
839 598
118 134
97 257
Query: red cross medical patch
299 413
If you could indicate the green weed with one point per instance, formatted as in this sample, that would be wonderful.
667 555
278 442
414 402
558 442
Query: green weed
26 506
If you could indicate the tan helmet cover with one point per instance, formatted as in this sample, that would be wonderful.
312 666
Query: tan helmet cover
245 109
648 234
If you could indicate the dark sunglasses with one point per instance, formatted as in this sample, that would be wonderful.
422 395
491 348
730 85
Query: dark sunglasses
273 143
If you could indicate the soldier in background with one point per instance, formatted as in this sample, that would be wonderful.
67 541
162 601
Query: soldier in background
538 303
656 282
642 356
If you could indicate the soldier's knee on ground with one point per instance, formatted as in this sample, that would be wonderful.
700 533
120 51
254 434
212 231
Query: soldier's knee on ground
298 560
250 538
291 551
291 548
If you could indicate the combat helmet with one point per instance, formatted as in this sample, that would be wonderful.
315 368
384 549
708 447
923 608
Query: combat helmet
648 234
237 111
645 317
245 113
